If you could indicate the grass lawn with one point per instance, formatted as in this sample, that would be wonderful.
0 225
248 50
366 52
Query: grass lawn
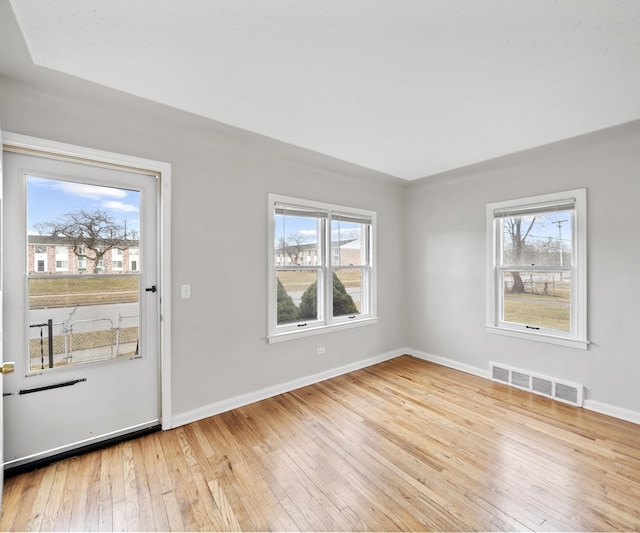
540 311
66 291
299 280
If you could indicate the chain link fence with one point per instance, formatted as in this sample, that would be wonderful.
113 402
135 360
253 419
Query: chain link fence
55 344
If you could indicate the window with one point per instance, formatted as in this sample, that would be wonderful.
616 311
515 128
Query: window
117 256
536 268
134 259
62 258
99 260
321 267
40 258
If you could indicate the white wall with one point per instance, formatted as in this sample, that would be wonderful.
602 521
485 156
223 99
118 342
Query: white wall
431 242
220 178
445 266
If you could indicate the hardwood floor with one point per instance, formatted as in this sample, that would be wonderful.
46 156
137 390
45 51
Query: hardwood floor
403 445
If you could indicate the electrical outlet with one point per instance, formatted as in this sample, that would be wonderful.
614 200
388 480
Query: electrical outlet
321 351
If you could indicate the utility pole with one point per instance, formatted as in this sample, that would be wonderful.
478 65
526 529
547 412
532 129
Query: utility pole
559 223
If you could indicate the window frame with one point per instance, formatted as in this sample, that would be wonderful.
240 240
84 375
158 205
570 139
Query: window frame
324 265
117 259
577 336
134 259
62 265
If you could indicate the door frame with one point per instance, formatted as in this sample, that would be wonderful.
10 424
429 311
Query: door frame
54 149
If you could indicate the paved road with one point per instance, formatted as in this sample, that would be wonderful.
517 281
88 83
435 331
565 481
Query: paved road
85 312
296 296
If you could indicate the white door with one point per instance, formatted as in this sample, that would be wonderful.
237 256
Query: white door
81 274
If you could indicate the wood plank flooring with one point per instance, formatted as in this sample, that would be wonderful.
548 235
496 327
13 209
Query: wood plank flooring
403 445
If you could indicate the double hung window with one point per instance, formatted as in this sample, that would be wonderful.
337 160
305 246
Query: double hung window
117 255
321 267
536 267
62 258
134 259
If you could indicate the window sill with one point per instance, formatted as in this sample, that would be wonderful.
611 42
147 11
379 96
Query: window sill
539 337
290 335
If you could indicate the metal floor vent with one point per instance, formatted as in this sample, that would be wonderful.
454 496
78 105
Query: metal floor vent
562 391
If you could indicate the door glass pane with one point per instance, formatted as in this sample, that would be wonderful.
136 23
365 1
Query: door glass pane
538 299
83 294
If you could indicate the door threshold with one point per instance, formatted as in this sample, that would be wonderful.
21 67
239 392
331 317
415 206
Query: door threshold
81 450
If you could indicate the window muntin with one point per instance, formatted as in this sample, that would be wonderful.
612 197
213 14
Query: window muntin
537 270
321 264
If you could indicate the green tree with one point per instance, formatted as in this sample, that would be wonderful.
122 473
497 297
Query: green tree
343 304
287 310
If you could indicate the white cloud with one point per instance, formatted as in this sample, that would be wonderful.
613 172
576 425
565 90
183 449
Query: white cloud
308 232
88 191
119 206
345 233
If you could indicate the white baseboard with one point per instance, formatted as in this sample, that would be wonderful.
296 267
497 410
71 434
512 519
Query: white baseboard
591 405
450 363
269 392
613 410
246 399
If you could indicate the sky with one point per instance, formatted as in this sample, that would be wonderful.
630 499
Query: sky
549 225
307 228
49 200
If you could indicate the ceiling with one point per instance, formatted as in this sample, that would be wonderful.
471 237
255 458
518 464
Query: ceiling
409 88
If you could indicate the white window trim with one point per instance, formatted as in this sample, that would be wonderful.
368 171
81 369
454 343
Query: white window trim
578 336
327 323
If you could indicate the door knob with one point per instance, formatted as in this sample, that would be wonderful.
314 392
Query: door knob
7 368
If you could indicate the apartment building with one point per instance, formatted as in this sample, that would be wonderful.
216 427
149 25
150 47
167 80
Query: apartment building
54 255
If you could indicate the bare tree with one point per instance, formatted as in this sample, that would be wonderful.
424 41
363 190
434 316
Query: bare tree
90 233
513 227
292 246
